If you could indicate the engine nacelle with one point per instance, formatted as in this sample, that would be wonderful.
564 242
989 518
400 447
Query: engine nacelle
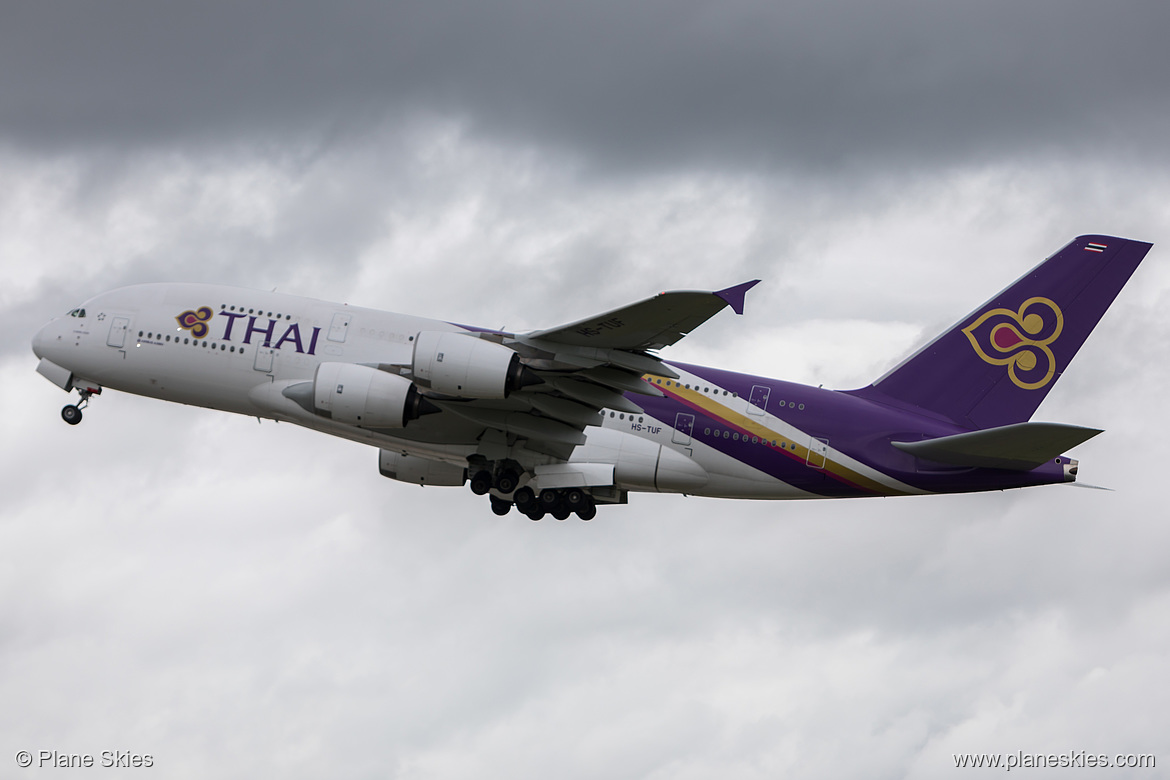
419 471
359 395
463 366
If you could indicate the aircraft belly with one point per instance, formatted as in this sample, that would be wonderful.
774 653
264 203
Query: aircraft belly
757 487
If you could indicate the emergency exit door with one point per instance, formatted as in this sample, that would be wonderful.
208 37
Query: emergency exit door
118 328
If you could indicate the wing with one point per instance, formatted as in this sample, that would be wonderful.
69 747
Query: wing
576 370
650 324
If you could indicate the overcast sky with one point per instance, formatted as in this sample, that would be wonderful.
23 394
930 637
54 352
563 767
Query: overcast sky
241 600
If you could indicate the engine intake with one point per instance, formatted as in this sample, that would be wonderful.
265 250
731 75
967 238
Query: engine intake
464 366
366 397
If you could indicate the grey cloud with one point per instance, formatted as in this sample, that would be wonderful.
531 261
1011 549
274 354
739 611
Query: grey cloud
629 86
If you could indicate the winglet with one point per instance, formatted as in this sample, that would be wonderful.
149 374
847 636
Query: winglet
735 295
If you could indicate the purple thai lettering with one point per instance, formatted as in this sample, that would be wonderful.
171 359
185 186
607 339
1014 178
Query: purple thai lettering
313 341
293 334
267 332
231 320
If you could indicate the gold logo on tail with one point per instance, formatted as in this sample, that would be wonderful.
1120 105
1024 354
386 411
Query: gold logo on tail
1020 340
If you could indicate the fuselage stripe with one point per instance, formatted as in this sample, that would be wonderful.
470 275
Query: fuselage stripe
744 425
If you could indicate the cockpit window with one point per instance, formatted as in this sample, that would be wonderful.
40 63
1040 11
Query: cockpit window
76 313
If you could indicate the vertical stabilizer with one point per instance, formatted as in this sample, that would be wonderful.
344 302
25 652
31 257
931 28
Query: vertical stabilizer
997 364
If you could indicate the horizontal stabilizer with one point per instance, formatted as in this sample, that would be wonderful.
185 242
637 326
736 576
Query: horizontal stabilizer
1018 447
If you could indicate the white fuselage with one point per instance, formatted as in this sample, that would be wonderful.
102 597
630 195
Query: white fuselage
260 343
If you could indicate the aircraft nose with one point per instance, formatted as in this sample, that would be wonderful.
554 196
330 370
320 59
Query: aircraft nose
42 339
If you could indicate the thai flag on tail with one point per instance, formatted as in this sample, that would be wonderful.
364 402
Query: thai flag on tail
1096 248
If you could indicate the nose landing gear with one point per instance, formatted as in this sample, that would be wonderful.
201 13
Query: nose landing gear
72 414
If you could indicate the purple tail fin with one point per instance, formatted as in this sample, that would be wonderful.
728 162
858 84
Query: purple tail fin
997 364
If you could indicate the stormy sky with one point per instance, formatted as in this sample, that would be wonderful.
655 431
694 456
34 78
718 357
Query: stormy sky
241 600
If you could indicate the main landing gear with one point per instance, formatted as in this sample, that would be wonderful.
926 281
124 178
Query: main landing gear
558 503
501 489
72 414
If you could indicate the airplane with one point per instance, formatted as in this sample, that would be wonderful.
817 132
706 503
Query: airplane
563 420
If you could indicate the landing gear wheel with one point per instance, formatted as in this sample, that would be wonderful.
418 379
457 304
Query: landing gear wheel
549 498
481 483
524 498
574 499
71 414
535 513
588 511
506 481
561 512
500 506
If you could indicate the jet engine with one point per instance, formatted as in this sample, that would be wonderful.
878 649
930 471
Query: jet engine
464 366
359 395
419 471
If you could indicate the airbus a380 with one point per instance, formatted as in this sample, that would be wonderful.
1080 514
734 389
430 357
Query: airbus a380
567 419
